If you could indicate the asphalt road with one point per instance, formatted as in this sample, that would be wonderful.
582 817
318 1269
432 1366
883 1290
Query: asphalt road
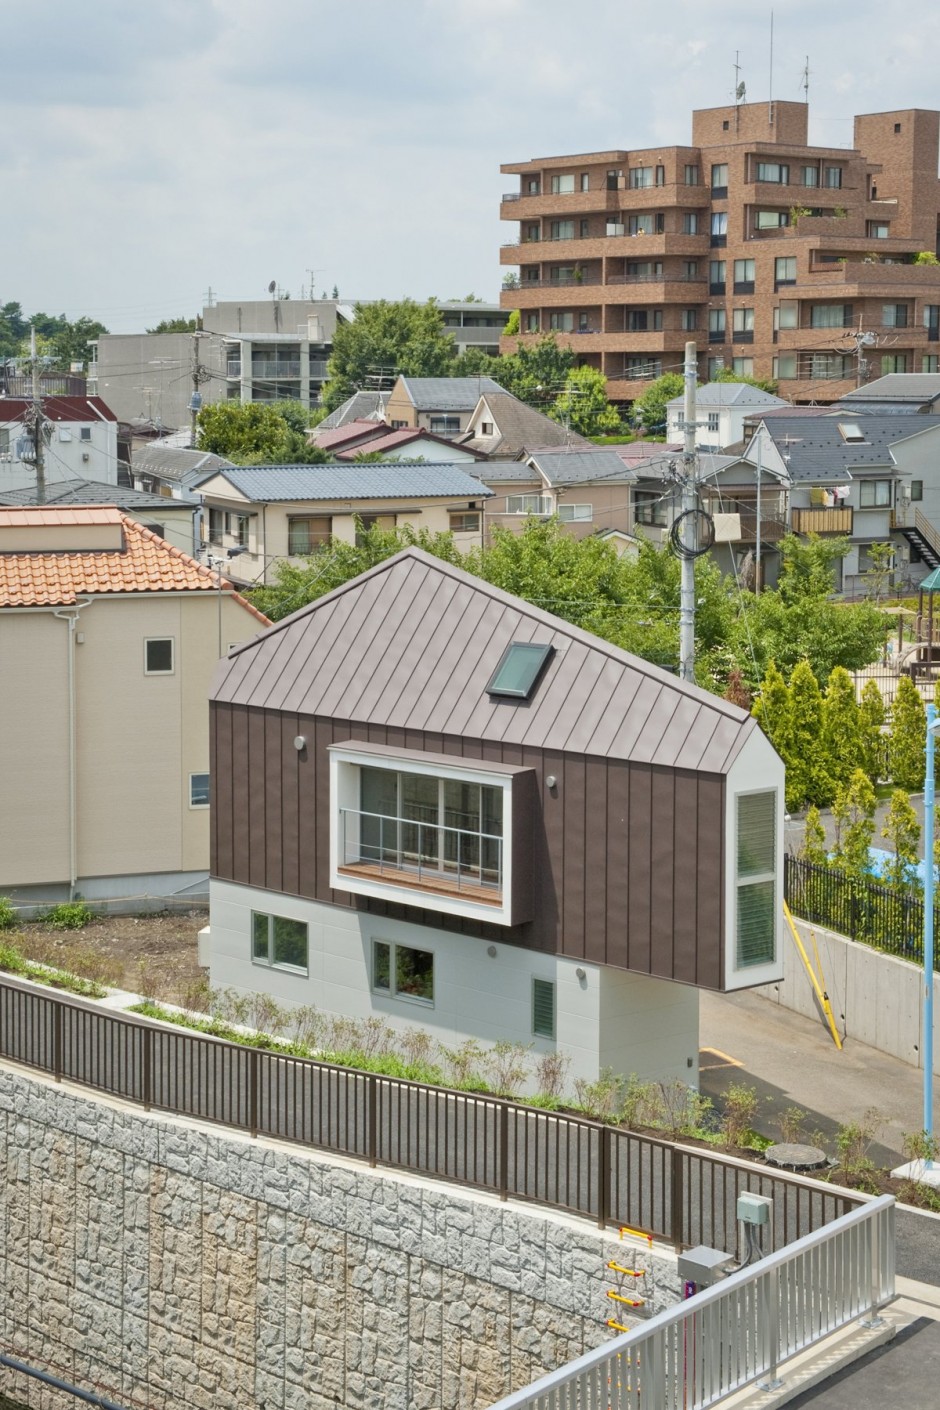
792 1061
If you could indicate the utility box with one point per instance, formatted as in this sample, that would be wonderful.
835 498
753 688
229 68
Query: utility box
703 1266
754 1209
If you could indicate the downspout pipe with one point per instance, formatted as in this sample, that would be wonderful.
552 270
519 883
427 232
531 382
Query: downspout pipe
71 616
48 1379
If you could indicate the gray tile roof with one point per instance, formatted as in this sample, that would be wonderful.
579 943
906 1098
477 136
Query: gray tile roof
717 394
447 393
818 451
412 644
361 406
94 492
582 467
915 387
173 463
506 472
354 480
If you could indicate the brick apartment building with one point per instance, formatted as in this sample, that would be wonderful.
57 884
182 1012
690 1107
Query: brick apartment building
772 254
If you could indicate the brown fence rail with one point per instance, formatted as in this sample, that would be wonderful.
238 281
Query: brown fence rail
565 1161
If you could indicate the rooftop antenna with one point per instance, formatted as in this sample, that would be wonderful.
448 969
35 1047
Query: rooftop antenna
770 96
740 90
805 83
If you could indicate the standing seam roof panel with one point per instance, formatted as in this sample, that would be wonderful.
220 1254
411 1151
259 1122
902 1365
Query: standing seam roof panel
362 627
723 745
582 735
634 722
290 664
650 736
471 652
551 697
492 716
390 690
679 728
378 666
303 695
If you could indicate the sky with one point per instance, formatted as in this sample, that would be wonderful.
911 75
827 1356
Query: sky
156 150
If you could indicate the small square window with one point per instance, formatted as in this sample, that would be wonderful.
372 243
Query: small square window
279 942
543 1008
199 790
402 972
897 127
917 489
85 433
158 656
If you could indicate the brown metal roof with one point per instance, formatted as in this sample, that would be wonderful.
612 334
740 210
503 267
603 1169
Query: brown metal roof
413 643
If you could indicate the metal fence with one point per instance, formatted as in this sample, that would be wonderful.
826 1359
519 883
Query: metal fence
876 915
741 1331
568 1162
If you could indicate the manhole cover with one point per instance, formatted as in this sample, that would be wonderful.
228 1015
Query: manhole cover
792 1155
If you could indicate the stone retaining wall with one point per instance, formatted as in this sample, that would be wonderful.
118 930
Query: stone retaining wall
168 1264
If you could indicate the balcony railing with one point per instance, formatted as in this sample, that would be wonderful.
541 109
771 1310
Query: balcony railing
275 369
821 521
453 860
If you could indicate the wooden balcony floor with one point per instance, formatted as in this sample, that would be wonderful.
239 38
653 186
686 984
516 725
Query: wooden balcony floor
437 882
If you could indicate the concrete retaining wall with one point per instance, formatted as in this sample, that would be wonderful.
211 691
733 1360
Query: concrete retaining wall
169 1264
875 998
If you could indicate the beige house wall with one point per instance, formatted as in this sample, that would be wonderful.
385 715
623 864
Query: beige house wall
611 507
138 737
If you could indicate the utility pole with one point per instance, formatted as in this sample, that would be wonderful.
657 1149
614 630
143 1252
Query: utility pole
199 374
37 419
689 517
760 438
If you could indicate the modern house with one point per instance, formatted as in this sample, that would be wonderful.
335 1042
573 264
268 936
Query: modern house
442 405
721 410
434 802
81 441
774 253
109 638
257 514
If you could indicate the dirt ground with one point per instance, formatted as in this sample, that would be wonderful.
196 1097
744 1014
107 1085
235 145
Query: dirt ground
119 950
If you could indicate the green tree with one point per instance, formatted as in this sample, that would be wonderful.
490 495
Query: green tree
773 712
14 328
176 325
649 410
901 831
62 341
808 775
387 340
474 362
841 726
258 433
813 847
808 566
583 404
853 809
871 718
536 372
908 739
293 584
512 324
878 576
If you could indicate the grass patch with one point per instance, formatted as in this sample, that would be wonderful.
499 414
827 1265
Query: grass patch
13 962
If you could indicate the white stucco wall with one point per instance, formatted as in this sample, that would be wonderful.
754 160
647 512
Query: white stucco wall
608 1018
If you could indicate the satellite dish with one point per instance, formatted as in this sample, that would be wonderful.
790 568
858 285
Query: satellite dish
740 91
272 286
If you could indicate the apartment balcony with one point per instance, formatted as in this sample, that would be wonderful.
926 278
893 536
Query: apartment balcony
280 370
233 369
589 341
533 294
555 205
427 857
822 521
625 289
586 247
869 280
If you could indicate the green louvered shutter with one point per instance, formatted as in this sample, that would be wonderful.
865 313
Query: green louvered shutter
756 879
543 1008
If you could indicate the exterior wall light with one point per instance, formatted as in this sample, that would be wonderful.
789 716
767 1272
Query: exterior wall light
300 743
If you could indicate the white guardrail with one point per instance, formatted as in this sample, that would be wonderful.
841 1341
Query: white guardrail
740 1331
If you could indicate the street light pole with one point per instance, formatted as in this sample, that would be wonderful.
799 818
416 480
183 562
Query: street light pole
933 724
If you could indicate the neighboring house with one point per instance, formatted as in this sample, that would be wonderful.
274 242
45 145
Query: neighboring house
173 471
437 804
721 409
589 490
260 513
173 520
442 405
80 441
502 427
872 477
375 438
901 391
361 406
109 637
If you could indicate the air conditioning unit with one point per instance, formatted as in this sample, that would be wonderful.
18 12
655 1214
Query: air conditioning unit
613 229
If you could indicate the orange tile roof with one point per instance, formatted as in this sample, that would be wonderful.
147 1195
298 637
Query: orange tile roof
147 563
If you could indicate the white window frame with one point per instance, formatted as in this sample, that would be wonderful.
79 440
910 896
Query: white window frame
528 504
393 992
270 962
192 800
575 513
172 670
346 762
874 494
749 976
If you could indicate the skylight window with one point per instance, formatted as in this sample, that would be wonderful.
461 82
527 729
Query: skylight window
520 669
849 431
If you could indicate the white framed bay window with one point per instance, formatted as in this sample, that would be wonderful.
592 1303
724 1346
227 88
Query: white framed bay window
434 831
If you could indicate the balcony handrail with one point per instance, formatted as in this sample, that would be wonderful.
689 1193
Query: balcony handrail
420 859
786 1303
927 531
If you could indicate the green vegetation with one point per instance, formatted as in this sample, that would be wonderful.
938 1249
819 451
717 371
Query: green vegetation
68 915
177 325
59 339
907 745
13 961
649 410
258 433
8 914
583 403
386 340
